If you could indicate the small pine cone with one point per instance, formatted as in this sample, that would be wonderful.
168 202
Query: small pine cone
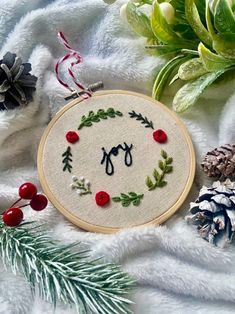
16 83
214 212
220 162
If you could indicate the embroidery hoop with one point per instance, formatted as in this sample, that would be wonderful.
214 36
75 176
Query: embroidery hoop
98 228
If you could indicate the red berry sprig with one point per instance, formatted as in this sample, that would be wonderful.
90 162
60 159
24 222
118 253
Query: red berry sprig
13 216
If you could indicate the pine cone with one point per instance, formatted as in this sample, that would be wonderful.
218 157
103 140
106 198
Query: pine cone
16 83
220 163
214 212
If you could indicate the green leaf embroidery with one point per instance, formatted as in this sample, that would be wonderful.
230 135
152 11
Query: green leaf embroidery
127 199
97 117
82 185
166 167
67 160
144 120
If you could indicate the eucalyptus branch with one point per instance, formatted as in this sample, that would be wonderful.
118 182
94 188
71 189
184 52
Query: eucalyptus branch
127 199
166 167
97 117
60 274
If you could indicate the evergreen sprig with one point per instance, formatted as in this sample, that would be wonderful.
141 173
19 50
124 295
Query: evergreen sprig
144 120
97 117
127 199
166 167
61 274
67 159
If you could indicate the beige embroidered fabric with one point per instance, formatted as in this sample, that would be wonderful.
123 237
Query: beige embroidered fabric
87 155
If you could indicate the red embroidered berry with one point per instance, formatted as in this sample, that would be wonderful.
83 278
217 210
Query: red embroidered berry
102 198
38 202
27 191
72 137
160 136
13 217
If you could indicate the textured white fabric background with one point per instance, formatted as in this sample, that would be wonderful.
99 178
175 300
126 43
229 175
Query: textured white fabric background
177 272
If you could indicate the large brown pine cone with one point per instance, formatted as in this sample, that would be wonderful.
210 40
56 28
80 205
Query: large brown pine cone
220 162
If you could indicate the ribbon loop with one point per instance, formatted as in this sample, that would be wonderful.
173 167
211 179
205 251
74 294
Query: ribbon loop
78 59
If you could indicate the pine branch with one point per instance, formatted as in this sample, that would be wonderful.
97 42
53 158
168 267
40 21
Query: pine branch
126 200
144 120
61 274
97 117
166 167
67 159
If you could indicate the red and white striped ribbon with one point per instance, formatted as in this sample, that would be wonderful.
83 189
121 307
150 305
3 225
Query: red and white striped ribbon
78 59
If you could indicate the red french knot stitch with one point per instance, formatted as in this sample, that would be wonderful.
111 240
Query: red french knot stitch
102 198
160 136
78 59
72 137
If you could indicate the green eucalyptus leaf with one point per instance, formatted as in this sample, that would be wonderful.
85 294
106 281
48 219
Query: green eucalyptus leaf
194 20
224 19
136 202
138 21
165 74
116 199
132 194
161 28
190 92
191 69
149 183
162 184
212 61
164 154
224 44
126 203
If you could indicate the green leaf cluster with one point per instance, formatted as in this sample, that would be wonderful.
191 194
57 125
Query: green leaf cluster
67 159
165 167
60 273
87 121
199 44
128 199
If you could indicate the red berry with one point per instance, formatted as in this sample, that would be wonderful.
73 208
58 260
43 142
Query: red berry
13 217
72 137
27 191
102 198
39 202
160 136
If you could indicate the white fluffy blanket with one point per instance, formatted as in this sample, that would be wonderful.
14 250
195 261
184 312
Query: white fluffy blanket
177 272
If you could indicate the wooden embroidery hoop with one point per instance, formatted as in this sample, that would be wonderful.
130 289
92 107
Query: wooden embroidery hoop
100 229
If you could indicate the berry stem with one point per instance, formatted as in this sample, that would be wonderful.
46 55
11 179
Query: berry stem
24 205
16 202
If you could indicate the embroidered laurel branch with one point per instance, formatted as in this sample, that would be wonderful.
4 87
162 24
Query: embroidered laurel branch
82 185
144 120
97 117
127 199
67 159
166 167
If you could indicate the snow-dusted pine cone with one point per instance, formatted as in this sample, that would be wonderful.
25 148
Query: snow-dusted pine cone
214 212
16 83
220 162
